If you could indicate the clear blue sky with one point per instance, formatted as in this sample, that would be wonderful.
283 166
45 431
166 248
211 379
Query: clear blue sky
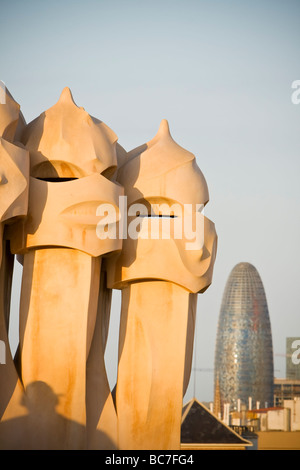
221 73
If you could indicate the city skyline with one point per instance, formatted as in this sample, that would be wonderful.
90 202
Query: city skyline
222 74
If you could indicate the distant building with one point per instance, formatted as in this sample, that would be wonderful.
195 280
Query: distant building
293 358
270 419
280 418
244 354
285 389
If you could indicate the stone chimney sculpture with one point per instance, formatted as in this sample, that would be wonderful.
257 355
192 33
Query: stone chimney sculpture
85 217
70 152
14 177
159 274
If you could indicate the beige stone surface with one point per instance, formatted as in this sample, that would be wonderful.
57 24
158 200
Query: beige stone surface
62 254
65 214
161 169
11 389
65 142
151 365
162 175
14 176
57 317
65 224
100 409
12 122
160 274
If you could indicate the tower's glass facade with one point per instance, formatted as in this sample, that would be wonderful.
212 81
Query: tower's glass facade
244 352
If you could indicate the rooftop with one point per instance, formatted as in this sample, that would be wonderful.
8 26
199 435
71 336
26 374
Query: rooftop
200 426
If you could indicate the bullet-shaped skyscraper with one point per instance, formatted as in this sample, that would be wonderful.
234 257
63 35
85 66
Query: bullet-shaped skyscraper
244 370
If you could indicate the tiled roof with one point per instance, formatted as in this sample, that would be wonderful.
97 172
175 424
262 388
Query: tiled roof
200 426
